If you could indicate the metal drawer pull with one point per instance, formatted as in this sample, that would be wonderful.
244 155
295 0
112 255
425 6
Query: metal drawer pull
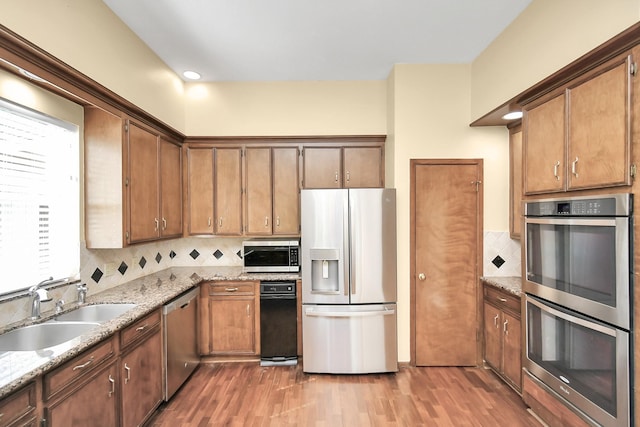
128 369
502 299
555 170
142 328
231 289
84 365
574 167
113 386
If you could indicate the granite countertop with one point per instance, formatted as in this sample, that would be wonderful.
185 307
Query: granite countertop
512 284
148 293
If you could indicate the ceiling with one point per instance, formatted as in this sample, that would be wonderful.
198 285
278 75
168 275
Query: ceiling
300 40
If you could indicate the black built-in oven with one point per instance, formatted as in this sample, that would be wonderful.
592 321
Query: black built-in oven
578 284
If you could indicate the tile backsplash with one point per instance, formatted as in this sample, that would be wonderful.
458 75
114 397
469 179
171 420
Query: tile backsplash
501 254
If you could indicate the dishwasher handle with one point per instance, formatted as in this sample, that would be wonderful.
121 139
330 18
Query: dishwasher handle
181 302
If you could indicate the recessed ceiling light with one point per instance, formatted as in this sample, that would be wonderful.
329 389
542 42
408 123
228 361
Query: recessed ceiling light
191 75
513 115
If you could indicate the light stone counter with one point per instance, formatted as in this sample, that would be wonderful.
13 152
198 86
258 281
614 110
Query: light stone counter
512 284
149 293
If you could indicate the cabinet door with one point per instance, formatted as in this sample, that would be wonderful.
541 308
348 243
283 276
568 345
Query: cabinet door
362 167
544 142
512 359
599 128
515 179
94 403
228 191
492 336
171 189
286 191
141 378
200 190
144 218
258 194
322 167
232 328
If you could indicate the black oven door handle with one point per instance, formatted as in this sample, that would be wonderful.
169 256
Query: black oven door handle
570 318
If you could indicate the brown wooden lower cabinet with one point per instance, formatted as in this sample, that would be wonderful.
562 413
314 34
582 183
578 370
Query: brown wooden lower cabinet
230 318
502 347
19 409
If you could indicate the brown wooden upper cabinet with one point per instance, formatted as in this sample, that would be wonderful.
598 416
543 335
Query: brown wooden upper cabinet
515 180
214 190
343 167
272 191
132 181
578 137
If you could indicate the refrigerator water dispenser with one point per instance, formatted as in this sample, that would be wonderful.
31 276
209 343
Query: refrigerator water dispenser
324 271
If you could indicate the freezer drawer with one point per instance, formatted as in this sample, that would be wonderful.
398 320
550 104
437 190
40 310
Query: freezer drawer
349 339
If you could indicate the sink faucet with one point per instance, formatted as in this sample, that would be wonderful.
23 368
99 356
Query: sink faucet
38 295
82 293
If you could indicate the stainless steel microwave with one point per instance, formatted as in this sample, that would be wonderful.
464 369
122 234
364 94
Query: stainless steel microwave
271 256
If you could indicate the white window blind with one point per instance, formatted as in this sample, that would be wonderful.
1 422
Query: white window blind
39 198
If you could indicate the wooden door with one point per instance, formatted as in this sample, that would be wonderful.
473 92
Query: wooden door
170 189
492 336
286 191
200 190
322 167
515 180
599 128
144 218
544 142
512 356
362 167
228 191
446 242
141 378
258 195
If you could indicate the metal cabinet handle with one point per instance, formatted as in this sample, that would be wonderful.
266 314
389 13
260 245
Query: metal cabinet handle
421 276
142 328
495 320
574 165
348 176
164 223
209 222
84 365
555 170
266 221
231 289
220 222
157 223
505 328
128 369
277 221
248 310
336 176
113 385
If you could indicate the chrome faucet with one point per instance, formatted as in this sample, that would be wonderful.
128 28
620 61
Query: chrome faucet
38 295
82 293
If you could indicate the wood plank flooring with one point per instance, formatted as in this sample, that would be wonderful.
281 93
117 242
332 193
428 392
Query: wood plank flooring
246 394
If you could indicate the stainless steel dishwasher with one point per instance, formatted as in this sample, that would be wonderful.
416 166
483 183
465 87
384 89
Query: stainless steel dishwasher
180 340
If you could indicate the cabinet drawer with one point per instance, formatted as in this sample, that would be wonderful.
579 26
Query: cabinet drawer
139 329
502 299
18 404
58 379
232 288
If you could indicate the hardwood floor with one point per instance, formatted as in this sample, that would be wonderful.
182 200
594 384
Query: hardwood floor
246 394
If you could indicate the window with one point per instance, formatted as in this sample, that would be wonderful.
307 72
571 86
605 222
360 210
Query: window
39 198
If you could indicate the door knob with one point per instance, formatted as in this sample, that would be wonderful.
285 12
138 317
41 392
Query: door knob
421 276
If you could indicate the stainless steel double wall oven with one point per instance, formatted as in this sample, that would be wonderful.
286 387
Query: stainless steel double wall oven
578 286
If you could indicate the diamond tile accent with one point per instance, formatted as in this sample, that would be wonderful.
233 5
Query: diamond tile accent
239 253
143 262
158 257
218 254
194 254
498 261
123 268
172 254
97 275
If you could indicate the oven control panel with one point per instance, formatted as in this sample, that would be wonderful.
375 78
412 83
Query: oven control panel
607 206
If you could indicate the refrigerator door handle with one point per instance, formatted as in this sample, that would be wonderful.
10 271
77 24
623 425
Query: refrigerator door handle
346 255
325 292
385 312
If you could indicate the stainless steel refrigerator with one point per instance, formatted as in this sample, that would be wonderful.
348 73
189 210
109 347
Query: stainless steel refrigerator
348 244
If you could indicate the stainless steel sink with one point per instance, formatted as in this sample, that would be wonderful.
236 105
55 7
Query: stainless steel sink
95 313
43 335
